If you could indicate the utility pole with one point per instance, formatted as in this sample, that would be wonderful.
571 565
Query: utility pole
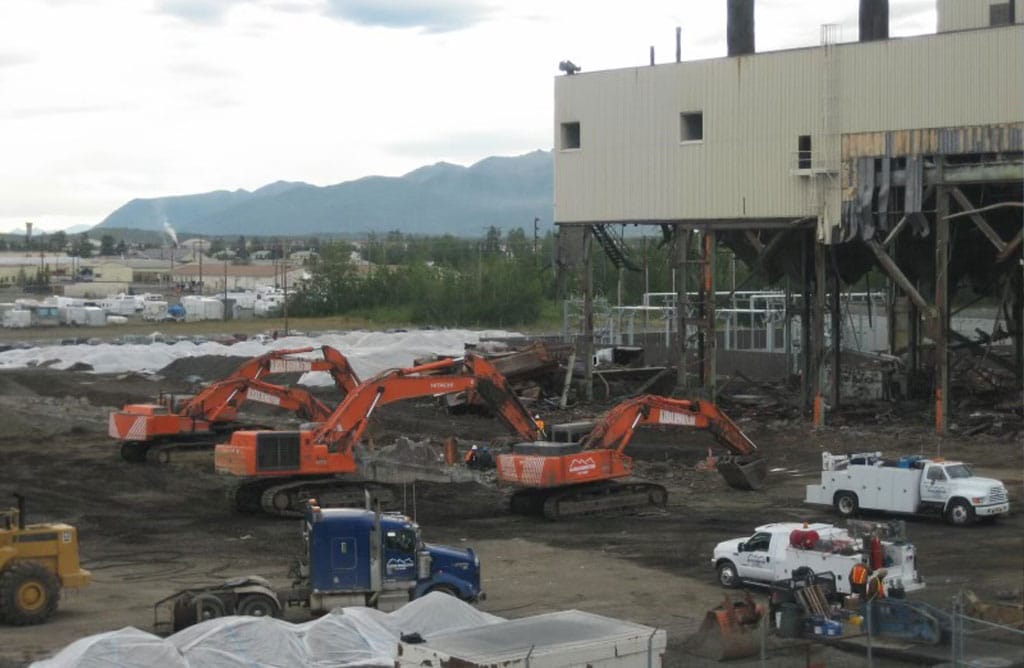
536 224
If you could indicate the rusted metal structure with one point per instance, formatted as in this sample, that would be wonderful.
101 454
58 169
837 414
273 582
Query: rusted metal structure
817 165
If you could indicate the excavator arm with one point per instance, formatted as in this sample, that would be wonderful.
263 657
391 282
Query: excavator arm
616 428
742 467
292 399
345 427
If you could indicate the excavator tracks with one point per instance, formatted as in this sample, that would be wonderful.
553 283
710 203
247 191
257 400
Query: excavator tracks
287 498
602 498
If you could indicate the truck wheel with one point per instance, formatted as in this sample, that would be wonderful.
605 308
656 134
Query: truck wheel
207 606
727 575
257 605
28 594
960 513
846 503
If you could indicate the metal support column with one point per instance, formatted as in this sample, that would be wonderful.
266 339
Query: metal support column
806 354
942 301
587 343
837 329
709 338
680 240
818 335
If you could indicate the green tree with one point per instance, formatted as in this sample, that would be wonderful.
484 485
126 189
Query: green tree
82 247
57 242
107 244
217 246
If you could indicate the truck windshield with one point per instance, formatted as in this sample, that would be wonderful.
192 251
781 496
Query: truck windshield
958 471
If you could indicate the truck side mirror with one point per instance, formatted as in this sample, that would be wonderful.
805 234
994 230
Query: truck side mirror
739 548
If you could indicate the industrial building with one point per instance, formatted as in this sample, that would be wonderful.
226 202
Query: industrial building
815 164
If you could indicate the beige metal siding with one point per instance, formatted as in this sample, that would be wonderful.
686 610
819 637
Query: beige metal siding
632 166
970 14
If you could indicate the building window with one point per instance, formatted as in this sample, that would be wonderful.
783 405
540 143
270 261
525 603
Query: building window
1000 14
570 135
803 152
691 126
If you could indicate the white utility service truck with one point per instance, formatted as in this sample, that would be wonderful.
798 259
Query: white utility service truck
912 484
783 550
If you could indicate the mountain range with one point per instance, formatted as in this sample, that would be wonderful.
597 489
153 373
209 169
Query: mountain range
504 192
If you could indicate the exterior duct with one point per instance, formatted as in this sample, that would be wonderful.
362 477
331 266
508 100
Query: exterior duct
740 27
874 20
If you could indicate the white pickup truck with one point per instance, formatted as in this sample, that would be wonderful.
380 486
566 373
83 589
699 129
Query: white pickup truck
777 551
866 481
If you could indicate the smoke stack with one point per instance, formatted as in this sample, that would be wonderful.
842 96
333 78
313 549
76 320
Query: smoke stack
652 56
740 27
874 20
679 47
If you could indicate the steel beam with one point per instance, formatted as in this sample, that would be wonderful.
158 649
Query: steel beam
941 328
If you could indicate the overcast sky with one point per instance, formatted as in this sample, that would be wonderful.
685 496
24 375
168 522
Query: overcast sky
103 101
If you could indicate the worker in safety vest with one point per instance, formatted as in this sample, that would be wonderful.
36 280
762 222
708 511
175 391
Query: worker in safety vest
859 575
470 460
540 424
876 584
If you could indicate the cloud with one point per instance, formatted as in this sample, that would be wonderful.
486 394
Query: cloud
207 12
202 71
59 110
469 146
13 59
432 16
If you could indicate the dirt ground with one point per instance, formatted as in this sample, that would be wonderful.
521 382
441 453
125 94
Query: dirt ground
149 530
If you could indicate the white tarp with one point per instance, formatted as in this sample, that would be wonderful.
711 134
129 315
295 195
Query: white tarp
347 637
369 353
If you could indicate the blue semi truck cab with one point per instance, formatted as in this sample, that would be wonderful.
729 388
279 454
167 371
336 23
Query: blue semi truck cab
350 557
360 557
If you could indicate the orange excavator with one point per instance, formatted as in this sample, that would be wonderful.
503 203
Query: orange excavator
280 470
559 479
152 431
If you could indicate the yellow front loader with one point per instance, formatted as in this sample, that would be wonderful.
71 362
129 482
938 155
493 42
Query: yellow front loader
36 562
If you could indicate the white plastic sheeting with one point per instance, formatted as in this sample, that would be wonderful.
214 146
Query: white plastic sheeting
347 637
369 353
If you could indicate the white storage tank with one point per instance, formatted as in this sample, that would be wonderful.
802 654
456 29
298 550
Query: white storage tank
18 318
95 316
154 310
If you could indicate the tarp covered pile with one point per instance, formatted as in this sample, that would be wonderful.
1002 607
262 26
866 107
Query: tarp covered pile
345 637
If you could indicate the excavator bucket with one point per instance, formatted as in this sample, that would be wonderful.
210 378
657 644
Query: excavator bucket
728 632
743 472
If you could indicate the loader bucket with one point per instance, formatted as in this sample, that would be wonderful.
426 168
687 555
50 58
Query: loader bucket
730 631
743 472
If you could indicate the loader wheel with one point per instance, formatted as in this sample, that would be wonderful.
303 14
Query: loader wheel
727 575
846 504
960 513
257 605
28 594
